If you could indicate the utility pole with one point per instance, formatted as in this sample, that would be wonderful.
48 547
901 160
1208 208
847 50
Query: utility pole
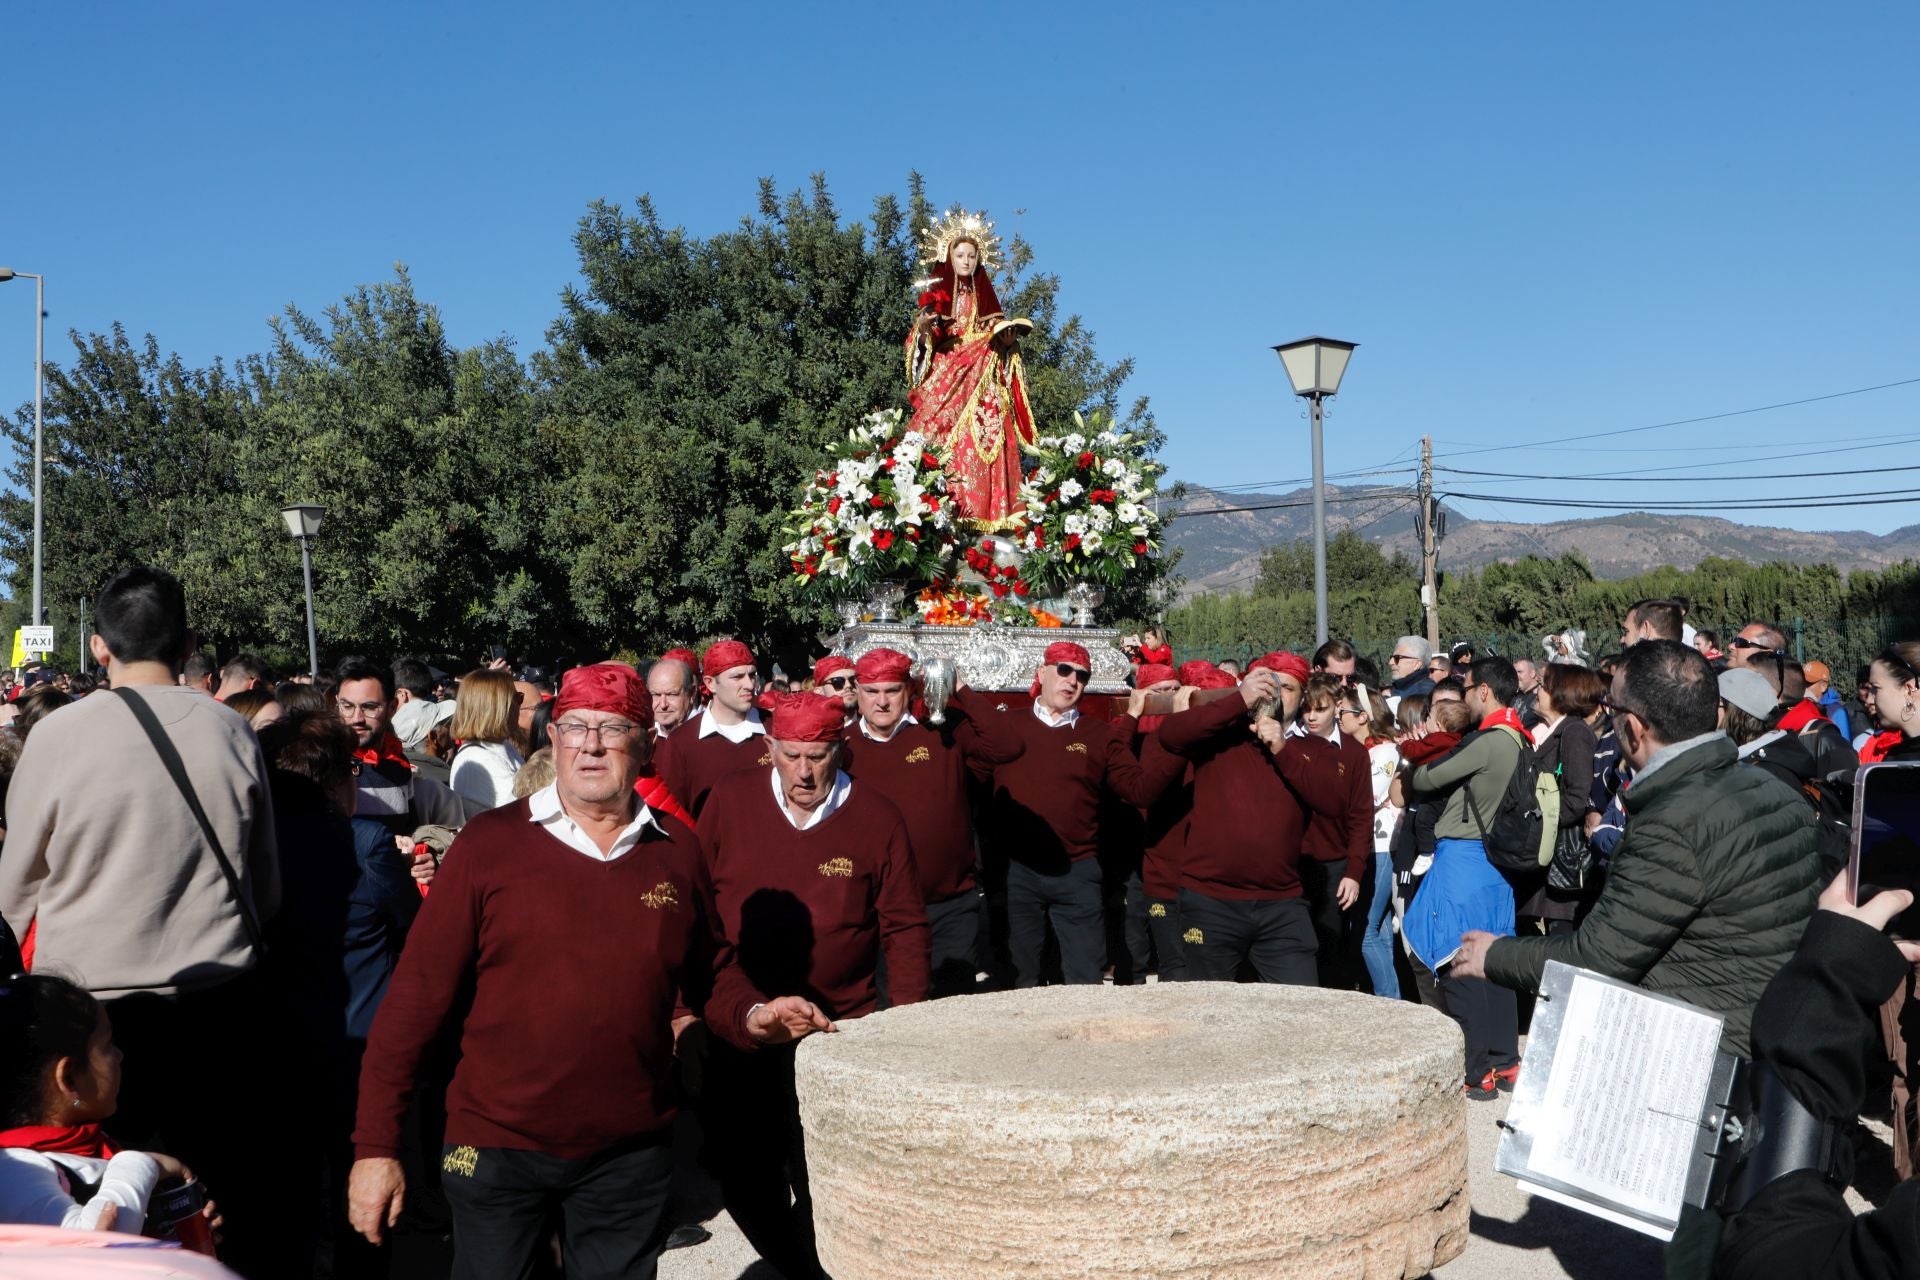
1429 545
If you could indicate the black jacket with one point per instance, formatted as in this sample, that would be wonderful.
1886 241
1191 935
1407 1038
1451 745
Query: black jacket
1817 1026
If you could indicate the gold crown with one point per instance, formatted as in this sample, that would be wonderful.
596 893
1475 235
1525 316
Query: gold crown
958 224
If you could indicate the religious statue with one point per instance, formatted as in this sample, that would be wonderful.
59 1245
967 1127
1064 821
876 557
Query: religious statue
965 381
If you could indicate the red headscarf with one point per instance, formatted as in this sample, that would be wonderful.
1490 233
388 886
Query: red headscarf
1286 664
682 655
803 717
828 665
1204 675
725 655
882 666
605 686
1148 674
986 301
1067 651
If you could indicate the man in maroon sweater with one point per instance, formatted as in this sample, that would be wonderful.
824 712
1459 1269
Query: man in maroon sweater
726 737
924 769
1338 847
833 678
1046 814
1252 791
813 882
574 928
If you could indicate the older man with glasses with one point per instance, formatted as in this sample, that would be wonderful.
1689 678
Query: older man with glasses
572 929
1046 816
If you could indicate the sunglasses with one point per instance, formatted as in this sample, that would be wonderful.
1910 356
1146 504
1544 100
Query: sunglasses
1741 642
840 682
1403 657
1066 670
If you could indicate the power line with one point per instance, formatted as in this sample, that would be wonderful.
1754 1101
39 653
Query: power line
1468 445
1374 496
1649 478
1881 497
1687 422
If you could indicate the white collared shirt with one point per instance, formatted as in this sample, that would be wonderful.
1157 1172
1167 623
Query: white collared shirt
1065 720
836 796
866 730
734 733
1298 729
544 809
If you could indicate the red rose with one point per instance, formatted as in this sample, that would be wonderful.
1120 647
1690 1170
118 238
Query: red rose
876 502
1000 589
933 504
833 506
1086 460
928 460
1139 548
1011 571
1020 588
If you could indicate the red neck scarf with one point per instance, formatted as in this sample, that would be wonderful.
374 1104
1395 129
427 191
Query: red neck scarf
62 1139
1804 713
653 793
1506 718
387 749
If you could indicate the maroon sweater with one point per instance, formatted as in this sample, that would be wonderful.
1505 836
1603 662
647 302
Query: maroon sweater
923 770
574 969
690 764
1347 835
1166 819
1249 806
809 913
1046 804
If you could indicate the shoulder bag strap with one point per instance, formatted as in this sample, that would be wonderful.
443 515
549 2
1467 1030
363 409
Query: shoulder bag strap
177 770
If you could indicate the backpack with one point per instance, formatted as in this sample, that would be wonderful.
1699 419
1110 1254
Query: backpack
1522 833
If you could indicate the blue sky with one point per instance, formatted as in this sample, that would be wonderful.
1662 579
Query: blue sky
1539 221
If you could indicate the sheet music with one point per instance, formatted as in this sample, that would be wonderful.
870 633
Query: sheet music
1621 1109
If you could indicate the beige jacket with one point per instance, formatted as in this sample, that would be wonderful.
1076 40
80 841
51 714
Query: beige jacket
103 856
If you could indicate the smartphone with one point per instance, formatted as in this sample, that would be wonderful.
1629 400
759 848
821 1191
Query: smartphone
1886 839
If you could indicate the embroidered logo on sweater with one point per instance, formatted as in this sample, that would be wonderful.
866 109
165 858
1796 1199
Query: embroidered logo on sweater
766 758
837 867
461 1160
662 895
1158 910
919 755
1081 747
1193 936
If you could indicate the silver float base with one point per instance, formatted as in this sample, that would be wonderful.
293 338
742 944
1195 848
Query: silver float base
992 658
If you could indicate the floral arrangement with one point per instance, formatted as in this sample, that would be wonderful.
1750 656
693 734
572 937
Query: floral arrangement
960 606
1089 513
880 512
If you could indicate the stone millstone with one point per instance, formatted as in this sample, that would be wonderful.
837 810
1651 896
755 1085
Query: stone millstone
1182 1130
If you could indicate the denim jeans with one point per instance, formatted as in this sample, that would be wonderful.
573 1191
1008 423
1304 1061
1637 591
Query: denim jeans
1377 943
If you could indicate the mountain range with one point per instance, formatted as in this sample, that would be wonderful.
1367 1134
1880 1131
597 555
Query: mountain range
1222 547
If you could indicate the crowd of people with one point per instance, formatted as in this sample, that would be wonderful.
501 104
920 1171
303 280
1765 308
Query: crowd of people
478 957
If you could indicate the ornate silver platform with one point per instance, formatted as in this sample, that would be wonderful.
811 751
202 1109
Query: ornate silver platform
992 658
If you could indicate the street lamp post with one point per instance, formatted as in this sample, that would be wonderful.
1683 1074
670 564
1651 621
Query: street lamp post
39 441
303 523
1314 367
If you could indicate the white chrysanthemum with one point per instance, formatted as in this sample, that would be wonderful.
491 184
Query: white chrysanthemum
1100 518
1091 542
1114 467
1074 442
1070 489
1128 512
1107 438
1076 523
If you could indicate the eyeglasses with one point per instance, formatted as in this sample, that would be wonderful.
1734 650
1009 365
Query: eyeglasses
1403 657
1615 708
574 734
839 682
365 708
1066 670
1353 711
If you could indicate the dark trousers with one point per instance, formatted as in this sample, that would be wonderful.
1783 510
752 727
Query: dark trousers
1320 883
1274 935
1131 968
752 1119
186 1090
611 1210
1488 1014
957 925
1070 902
1163 926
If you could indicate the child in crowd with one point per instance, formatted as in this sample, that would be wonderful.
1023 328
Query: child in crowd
59 1080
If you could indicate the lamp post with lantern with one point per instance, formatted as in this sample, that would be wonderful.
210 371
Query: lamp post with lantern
303 523
1314 367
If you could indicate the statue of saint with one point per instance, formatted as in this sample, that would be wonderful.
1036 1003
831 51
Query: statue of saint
965 381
